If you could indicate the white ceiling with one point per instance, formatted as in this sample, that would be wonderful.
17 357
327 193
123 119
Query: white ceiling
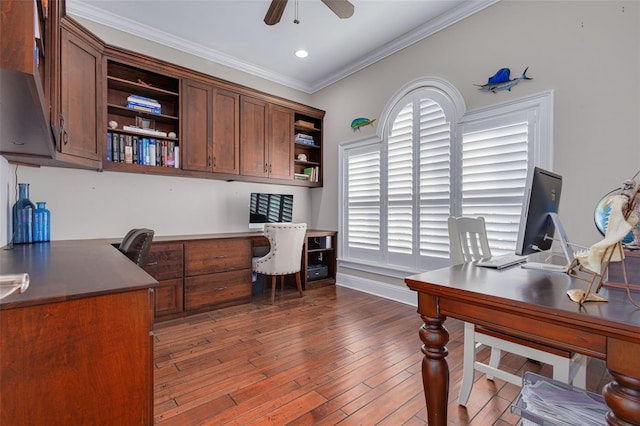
232 32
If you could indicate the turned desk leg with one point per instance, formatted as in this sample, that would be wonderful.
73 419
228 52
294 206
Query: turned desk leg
435 370
623 397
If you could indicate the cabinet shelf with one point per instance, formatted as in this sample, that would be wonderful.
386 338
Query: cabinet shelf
316 250
121 110
306 163
304 145
140 168
140 88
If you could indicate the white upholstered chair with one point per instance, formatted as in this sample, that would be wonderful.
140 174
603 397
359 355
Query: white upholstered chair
285 254
468 243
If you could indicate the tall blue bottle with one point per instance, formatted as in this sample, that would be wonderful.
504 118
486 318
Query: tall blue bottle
23 216
41 223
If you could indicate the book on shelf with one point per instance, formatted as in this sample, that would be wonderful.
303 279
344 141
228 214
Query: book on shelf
301 176
312 172
306 124
143 108
132 149
109 146
121 149
151 159
143 100
134 143
305 141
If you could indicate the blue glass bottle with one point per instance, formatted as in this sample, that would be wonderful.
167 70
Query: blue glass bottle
23 216
41 223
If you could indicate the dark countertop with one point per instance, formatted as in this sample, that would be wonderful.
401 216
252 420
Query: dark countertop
66 270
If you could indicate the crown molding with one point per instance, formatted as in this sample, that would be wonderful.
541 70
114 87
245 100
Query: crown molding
466 9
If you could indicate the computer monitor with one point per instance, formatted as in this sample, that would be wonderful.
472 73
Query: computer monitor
539 220
269 208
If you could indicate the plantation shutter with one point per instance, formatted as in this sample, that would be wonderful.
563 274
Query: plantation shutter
435 180
363 197
400 147
494 172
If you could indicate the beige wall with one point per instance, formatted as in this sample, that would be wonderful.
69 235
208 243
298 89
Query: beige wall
588 52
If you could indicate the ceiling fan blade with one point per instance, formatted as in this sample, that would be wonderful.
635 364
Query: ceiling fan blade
342 8
276 9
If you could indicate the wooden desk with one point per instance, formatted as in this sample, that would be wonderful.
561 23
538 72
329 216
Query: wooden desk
532 305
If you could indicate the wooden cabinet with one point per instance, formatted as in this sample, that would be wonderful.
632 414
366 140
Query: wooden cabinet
185 123
319 259
81 362
211 128
226 131
254 157
280 142
76 348
217 273
197 153
25 79
166 264
266 145
78 125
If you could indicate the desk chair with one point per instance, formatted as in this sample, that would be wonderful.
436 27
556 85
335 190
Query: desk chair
136 245
284 257
468 243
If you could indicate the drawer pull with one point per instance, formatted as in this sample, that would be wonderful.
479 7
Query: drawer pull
222 256
220 288
152 263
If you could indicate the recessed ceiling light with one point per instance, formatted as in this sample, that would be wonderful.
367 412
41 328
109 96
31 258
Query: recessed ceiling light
302 53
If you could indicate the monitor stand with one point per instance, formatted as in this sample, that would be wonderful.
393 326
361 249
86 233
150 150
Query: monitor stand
566 249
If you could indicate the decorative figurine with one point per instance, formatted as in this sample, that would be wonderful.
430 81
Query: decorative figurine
357 123
113 124
302 157
501 81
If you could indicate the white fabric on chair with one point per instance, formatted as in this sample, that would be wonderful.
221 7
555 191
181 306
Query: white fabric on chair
284 257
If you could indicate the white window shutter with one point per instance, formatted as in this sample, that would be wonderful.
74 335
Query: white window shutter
363 202
434 192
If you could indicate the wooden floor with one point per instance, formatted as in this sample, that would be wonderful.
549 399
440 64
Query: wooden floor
336 356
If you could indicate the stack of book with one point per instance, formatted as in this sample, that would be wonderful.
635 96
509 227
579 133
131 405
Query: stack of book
313 173
304 139
140 103
132 149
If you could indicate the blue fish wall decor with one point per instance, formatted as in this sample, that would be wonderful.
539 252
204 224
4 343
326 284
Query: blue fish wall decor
501 81
357 123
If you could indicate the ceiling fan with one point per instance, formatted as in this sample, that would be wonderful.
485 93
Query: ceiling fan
342 8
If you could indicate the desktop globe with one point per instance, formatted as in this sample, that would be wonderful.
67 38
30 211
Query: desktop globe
601 216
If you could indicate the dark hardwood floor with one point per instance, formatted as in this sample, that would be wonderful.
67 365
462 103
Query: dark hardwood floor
336 356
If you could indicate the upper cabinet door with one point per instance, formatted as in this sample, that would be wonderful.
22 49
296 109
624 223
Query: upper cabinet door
196 140
280 142
80 118
226 131
254 160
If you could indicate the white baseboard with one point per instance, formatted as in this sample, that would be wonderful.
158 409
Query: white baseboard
377 288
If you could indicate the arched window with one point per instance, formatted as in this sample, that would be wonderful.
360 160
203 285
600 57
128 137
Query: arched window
429 161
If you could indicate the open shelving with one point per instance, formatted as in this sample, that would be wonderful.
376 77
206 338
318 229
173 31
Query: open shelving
124 80
308 148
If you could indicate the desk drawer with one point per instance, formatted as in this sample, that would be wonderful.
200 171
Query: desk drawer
165 261
210 256
225 288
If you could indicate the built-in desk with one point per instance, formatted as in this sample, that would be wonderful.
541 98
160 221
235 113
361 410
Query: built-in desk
532 305
201 272
76 347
